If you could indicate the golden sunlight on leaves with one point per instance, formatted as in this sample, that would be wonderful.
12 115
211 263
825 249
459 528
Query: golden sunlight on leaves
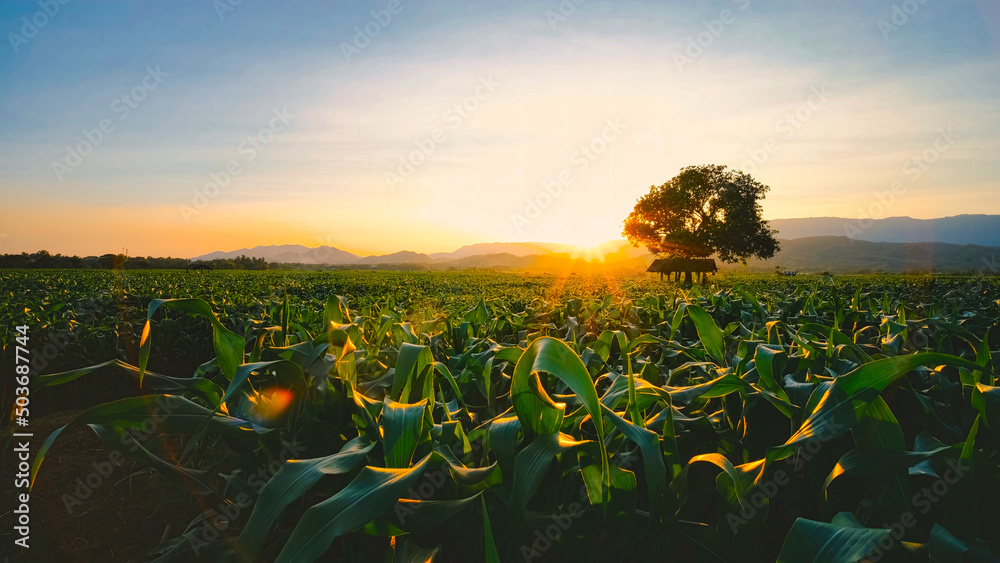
145 334
838 470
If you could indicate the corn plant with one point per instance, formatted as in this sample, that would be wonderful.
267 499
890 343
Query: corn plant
758 422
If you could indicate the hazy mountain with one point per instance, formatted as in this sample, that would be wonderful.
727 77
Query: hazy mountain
961 229
298 254
288 253
841 254
512 248
331 255
403 257
501 260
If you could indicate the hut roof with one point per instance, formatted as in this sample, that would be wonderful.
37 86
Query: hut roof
682 265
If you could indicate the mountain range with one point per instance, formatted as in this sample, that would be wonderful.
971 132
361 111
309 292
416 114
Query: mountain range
298 254
964 242
960 229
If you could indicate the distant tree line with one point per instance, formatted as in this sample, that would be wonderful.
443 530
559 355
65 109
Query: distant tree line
403 267
42 259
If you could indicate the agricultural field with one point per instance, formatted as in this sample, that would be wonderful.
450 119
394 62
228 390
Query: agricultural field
477 416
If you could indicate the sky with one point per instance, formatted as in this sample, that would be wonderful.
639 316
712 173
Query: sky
176 128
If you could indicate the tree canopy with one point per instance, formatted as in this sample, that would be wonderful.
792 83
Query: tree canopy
703 210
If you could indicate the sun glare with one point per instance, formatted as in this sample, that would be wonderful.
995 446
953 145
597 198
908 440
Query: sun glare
591 251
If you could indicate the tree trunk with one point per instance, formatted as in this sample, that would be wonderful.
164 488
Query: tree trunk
687 278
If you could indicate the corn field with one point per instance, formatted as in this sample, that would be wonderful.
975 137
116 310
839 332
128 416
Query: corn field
760 420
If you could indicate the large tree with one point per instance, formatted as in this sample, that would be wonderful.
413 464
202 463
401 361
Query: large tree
703 210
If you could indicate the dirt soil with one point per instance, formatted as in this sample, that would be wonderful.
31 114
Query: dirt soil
129 512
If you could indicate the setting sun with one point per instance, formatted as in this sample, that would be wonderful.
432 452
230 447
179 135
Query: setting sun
595 251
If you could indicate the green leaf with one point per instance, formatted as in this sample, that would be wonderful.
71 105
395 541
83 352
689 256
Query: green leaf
410 364
228 346
614 494
287 485
961 514
503 440
837 408
531 404
371 493
877 428
402 428
865 462
740 478
652 456
710 334
946 548
536 410
335 311
770 365
984 358
414 516
819 542
986 399
492 556
533 462
718 387
154 381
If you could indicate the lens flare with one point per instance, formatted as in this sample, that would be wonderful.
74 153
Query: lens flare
270 404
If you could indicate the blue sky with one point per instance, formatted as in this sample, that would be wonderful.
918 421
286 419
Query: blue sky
337 135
